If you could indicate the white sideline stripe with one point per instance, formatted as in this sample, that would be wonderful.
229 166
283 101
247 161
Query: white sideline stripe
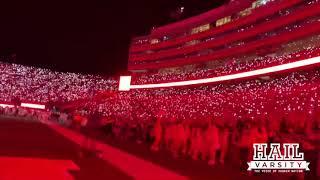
6 105
34 106
263 71
127 163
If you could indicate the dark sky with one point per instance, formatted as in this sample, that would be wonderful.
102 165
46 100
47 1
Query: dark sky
89 36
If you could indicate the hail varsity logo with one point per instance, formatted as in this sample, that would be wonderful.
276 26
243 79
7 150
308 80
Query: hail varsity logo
277 158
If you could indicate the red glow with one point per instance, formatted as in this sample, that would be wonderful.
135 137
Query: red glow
35 168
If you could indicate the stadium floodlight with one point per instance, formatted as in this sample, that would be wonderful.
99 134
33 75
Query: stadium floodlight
258 72
34 106
124 84
6 105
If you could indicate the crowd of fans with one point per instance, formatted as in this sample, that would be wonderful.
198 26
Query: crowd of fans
217 123
207 122
202 122
23 113
295 92
214 123
30 84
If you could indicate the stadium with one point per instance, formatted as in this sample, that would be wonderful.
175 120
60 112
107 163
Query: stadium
202 98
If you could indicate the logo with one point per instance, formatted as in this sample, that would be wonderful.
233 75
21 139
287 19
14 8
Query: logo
277 158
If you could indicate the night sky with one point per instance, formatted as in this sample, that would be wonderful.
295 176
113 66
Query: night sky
83 36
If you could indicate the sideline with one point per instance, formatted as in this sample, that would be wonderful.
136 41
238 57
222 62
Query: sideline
36 168
127 163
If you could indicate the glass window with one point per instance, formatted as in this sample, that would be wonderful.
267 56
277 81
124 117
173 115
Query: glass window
200 29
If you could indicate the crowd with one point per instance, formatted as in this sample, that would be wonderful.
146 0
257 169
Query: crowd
206 122
296 92
219 123
23 113
30 84
216 123
203 122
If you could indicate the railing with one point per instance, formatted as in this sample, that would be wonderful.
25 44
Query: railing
226 69
281 38
289 67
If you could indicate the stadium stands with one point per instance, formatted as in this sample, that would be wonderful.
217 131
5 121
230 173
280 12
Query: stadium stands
278 106
30 84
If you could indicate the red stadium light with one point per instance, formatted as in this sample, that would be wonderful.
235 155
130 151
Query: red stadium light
34 106
259 72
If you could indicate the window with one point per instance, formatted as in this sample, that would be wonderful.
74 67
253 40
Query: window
223 21
245 12
200 29
154 41
259 3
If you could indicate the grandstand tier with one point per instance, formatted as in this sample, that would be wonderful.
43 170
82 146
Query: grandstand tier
280 25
